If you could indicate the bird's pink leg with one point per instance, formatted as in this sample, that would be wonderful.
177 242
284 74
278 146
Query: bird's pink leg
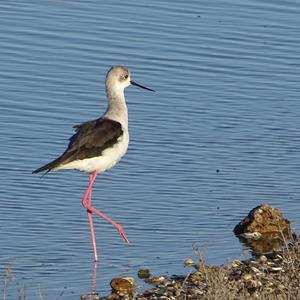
89 189
115 224
86 201
87 204
90 219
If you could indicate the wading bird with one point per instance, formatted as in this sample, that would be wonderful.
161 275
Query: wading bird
99 144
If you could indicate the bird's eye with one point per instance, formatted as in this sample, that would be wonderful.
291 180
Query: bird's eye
126 76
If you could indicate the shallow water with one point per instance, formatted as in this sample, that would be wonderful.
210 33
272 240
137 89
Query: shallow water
220 135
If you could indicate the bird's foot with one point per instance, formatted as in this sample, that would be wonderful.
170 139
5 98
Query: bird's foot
121 232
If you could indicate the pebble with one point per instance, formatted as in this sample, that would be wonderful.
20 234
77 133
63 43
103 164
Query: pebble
247 277
144 273
263 259
188 262
251 235
92 296
236 263
155 280
256 271
276 269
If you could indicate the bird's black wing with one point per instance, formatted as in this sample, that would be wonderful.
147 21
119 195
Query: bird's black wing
90 140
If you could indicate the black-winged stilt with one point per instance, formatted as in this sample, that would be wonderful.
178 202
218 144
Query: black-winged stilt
99 144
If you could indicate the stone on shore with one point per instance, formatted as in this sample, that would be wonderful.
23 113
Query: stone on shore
122 288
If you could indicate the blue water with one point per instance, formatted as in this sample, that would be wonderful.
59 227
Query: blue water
220 135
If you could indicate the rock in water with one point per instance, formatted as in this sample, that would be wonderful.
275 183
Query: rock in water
264 229
263 219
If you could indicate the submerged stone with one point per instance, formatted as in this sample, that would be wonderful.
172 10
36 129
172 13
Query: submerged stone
188 262
92 296
144 273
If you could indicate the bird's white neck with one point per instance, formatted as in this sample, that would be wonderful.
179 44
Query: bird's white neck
117 109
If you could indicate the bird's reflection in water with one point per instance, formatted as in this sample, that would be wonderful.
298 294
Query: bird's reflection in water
93 295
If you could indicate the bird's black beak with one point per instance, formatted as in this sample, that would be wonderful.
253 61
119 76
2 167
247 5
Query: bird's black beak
143 87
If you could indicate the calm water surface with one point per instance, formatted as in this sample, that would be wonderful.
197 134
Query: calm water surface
226 75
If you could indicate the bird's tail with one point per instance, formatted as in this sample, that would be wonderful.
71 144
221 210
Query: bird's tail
48 167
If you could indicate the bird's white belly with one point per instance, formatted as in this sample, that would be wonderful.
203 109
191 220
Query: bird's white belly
107 160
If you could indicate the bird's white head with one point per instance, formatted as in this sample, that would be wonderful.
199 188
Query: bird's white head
118 78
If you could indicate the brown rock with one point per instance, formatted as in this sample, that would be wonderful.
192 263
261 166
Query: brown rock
123 285
263 219
264 229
